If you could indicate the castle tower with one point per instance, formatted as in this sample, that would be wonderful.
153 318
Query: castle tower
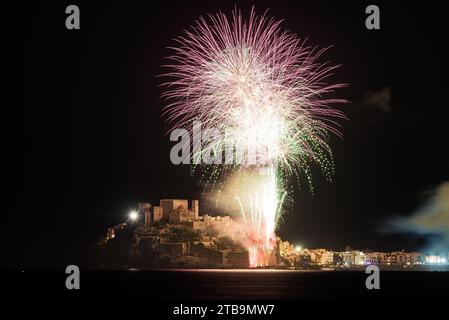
195 209
145 208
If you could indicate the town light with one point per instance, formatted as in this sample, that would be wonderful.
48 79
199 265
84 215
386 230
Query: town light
133 215
298 248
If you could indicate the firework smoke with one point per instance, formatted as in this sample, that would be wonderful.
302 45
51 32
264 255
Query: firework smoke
263 87
430 221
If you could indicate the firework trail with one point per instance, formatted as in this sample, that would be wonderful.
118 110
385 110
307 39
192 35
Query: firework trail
262 87
260 215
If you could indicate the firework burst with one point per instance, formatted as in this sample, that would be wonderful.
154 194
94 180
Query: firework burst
263 88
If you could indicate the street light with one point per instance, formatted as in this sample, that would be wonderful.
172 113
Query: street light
133 215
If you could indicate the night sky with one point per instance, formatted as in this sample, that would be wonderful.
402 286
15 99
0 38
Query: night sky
92 142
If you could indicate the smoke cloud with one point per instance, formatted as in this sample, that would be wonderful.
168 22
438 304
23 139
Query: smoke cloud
378 102
430 221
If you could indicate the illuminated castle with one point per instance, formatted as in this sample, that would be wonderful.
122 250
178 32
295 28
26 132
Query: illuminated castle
174 211
177 211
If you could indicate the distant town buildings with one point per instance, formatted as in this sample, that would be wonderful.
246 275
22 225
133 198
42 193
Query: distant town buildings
355 258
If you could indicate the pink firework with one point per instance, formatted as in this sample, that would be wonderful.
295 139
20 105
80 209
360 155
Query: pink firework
261 85
264 88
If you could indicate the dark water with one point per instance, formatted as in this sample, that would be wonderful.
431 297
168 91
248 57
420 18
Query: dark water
188 285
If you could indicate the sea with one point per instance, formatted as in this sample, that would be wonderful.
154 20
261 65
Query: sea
189 285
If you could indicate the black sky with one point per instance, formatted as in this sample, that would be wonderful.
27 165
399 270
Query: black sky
91 139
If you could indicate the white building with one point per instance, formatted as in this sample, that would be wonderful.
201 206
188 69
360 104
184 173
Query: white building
327 258
359 258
